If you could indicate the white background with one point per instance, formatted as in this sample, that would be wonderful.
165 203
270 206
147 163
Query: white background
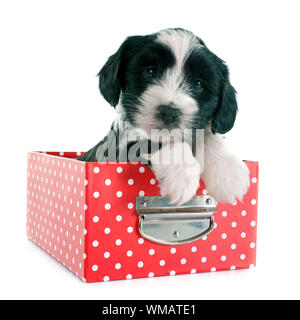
50 53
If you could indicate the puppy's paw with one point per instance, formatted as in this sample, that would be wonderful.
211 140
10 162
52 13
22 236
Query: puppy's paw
180 178
179 182
227 179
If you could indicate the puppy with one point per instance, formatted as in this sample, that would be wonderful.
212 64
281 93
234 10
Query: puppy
174 102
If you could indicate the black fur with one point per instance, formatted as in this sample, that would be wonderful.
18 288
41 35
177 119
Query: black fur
225 115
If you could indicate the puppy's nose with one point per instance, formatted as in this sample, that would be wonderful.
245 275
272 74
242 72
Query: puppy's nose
168 114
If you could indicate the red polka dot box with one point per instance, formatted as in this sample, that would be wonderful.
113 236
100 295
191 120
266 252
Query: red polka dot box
107 221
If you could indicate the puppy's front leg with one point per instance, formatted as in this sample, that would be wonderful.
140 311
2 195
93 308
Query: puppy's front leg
177 171
226 177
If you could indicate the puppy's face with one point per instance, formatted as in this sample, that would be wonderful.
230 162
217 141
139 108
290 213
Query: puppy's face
169 80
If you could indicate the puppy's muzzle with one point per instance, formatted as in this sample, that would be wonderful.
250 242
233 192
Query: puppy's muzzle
168 114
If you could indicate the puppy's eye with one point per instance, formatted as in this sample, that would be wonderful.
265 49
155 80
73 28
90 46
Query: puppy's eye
149 73
198 84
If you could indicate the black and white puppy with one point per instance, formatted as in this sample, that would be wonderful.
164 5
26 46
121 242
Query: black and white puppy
170 82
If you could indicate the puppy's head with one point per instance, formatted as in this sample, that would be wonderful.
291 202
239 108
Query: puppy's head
171 80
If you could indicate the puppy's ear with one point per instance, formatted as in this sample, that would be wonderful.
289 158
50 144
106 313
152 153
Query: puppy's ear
109 78
225 115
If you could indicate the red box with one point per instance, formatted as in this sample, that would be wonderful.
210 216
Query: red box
84 215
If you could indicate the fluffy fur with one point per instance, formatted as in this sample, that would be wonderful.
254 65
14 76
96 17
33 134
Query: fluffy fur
166 88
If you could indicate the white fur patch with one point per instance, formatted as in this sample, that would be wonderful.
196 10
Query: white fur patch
181 42
170 89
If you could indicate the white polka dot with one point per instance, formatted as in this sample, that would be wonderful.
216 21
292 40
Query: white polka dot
173 250
151 252
119 194
141 193
118 242
151 275
223 258
183 261
130 182
253 202
106 254
233 224
204 191
119 218
130 205
204 238
214 247
233 246
85 206
244 213
141 169
107 206
232 268
118 266
243 235
172 273
242 256
213 269
129 229
193 271
194 249
96 194
96 219
96 170
252 223
107 230
108 182
106 278
119 169
224 236
129 276
162 262
129 253
140 264
95 243
252 245
85 182
224 214
203 259
141 241
61 153
254 180
94 267
152 181
234 203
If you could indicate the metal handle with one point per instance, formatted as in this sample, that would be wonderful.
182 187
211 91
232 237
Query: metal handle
165 223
